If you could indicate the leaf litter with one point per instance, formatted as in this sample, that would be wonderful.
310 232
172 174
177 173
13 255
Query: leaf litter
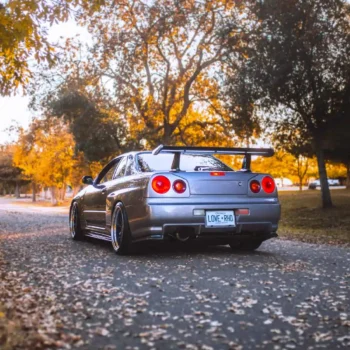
59 294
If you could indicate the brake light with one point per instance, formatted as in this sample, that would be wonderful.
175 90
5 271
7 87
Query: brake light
242 211
161 184
255 186
268 184
179 186
217 173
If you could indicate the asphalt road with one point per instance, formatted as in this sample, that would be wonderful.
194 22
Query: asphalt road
287 295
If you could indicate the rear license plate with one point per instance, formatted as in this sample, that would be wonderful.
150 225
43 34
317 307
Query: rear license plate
220 218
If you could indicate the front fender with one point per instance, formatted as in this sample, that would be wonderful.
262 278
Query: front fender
79 195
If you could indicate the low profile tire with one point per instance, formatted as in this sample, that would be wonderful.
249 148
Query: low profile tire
75 229
248 246
120 231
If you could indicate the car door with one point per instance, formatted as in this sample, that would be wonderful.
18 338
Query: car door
95 196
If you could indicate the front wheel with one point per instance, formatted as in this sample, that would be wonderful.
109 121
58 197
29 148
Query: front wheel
120 231
246 245
74 223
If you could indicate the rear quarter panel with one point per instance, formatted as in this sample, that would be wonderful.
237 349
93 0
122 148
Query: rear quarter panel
129 190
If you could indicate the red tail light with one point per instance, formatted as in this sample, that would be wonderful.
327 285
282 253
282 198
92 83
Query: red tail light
268 184
217 173
242 211
255 186
179 186
161 184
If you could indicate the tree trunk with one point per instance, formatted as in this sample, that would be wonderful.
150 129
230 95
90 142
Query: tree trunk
166 139
60 194
348 176
46 190
53 195
63 192
300 184
33 191
326 193
76 189
17 192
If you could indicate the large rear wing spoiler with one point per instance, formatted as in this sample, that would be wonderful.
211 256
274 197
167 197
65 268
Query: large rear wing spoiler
247 152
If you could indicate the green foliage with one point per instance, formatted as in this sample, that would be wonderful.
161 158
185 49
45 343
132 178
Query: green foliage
23 35
11 177
98 134
8 172
338 145
301 64
240 95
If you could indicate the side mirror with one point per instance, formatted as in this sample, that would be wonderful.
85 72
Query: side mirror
87 180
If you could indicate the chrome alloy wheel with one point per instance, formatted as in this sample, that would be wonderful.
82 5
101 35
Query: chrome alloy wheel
117 228
74 220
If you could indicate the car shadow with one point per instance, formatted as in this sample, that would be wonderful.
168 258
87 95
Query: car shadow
193 248
170 248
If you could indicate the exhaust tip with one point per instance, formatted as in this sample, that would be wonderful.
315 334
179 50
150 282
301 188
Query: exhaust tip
182 236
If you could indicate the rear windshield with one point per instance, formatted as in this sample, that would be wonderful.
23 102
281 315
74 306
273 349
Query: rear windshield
148 162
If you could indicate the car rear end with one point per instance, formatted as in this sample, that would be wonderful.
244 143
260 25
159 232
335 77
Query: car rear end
208 204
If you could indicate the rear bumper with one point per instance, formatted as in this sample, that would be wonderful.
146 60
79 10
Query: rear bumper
162 219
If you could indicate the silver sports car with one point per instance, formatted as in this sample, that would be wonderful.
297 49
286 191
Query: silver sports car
178 193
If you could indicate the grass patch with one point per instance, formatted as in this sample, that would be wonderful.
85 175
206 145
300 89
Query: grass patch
304 219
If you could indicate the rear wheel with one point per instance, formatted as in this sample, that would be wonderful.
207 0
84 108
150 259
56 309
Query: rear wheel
246 245
74 223
120 231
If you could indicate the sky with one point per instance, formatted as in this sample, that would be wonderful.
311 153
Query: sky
14 110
